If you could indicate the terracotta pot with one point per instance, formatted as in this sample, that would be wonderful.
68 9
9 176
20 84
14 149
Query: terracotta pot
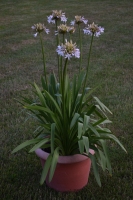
71 172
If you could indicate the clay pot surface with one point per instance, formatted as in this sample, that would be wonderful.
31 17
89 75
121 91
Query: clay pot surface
71 172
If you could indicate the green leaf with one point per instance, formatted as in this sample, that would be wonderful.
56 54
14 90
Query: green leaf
74 86
51 99
107 155
54 163
24 144
43 83
38 145
85 124
46 168
86 143
111 136
53 82
88 94
81 146
80 129
79 81
52 137
41 97
39 108
102 105
99 121
93 129
95 168
74 120
91 110
103 160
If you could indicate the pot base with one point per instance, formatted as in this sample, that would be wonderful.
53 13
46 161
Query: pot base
71 172
69 177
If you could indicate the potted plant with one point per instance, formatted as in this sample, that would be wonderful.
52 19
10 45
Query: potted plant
72 131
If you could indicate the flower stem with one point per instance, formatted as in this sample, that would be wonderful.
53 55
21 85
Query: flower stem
70 36
58 55
86 77
61 84
64 73
64 101
63 38
80 49
44 60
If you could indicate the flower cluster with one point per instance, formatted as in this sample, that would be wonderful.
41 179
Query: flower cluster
93 29
79 20
56 15
39 28
62 29
68 50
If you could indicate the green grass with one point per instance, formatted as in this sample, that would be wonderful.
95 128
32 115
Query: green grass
21 62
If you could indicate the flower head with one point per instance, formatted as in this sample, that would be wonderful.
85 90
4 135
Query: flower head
63 28
56 15
68 50
79 20
39 28
93 29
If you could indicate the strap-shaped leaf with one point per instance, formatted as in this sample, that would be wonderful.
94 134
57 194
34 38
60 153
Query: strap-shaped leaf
74 87
107 155
91 110
39 108
41 97
46 168
74 120
51 99
99 121
43 83
95 169
86 143
85 124
53 82
102 105
80 129
81 146
24 144
52 137
111 136
93 129
38 145
79 81
54 163
89 93
103 160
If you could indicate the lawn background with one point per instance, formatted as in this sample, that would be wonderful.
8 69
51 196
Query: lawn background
21 62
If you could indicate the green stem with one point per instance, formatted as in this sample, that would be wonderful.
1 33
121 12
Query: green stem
64 74
70 37
57 34
58 55
61 74
64 102
61 84
80 49
43 60
63 38
86 77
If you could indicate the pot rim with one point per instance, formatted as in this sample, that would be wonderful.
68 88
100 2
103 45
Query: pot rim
64 159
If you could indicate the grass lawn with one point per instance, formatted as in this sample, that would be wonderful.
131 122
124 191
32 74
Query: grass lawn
21 62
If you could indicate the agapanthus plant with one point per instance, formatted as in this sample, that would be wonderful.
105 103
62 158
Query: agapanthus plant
68 116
